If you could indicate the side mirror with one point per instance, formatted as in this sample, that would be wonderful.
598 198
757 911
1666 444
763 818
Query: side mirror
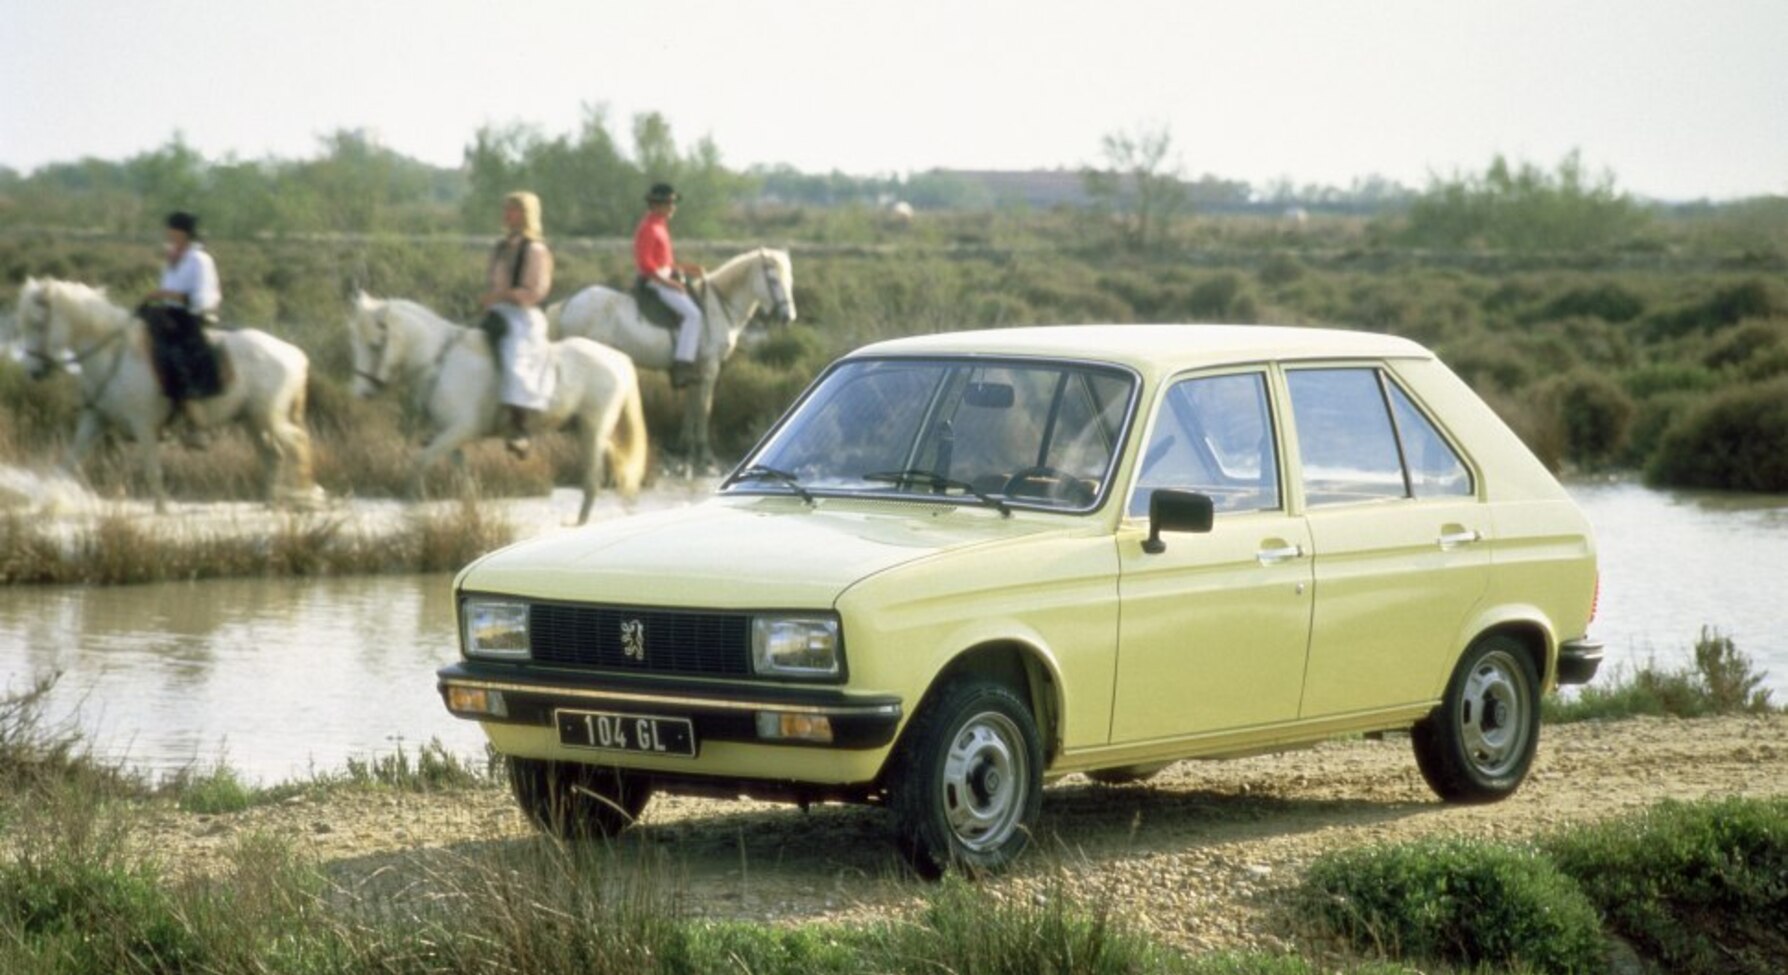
1177 511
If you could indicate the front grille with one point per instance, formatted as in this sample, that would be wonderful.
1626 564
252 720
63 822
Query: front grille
672 641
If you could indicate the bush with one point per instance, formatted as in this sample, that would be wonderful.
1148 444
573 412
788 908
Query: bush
1742 343
1592 416
1736 440
1455 901
1608 301
1703 887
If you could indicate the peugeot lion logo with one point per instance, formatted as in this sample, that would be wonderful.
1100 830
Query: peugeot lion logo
633 639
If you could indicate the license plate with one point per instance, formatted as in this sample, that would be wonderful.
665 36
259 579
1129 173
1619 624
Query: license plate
643 734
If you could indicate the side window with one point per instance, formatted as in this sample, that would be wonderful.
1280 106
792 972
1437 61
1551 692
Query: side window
1345 439
1214 435
1434 470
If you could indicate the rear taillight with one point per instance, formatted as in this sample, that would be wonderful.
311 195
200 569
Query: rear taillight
1595 601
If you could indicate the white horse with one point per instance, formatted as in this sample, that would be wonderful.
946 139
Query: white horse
453 379
62 323
736 290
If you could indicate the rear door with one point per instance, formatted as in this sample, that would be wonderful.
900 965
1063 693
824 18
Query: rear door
1213 630
1398 532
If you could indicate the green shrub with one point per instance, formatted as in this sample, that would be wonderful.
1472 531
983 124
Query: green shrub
1720 679
219 790
1455 901
1742 343
1738 440
1702 887
1593 415
1668 377
1608 301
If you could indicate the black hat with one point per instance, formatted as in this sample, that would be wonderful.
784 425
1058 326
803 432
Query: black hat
662 193
184 222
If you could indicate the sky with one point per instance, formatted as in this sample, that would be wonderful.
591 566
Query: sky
1680 100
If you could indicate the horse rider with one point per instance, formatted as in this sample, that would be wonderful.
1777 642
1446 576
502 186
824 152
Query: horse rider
659 270
519 276
177 312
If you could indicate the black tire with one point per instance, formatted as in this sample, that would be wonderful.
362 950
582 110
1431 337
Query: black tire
573 801
967 780
1479 743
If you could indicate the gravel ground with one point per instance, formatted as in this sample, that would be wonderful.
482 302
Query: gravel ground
1198 856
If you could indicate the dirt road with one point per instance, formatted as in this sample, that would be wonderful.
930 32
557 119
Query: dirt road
1196 855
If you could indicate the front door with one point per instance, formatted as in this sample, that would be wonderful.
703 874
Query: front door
1213 630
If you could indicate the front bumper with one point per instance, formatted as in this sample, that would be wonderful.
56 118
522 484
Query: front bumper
720 713
1578 661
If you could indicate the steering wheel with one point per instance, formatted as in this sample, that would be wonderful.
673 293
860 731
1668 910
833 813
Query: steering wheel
1058 484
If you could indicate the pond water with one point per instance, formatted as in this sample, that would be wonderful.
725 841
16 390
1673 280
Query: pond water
282 675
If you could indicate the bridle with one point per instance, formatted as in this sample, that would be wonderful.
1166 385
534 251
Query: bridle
772 284
377 349
61 363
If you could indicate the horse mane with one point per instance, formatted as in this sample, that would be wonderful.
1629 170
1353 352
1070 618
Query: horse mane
737 265
74 299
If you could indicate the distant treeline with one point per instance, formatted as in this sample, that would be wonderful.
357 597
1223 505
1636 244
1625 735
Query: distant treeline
592 179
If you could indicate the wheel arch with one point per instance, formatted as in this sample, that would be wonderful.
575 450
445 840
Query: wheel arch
1021 666
1533 636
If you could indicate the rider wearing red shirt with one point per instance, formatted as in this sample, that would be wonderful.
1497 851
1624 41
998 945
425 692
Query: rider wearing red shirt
658 269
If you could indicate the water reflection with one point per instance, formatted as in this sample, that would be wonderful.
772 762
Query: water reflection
277 673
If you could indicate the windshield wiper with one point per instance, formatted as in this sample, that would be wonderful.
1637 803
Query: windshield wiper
935 481
758 472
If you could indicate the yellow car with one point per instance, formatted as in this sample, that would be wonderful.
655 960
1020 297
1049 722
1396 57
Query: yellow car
964 565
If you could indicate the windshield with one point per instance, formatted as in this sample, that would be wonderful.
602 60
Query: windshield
1032 433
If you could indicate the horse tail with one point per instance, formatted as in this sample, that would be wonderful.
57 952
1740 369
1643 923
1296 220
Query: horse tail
629 442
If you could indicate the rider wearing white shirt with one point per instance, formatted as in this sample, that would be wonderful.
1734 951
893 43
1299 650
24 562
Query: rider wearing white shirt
177 313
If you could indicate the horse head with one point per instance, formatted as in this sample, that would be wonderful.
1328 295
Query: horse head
42 334
369 333
778 282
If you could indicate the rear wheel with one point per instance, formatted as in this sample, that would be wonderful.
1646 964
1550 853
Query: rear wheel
1479 743
968 780
574 801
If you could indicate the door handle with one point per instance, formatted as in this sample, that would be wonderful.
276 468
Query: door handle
1273 556
1454 539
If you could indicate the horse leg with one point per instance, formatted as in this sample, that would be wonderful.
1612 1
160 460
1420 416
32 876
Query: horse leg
86 431
703 455
149 444
447 443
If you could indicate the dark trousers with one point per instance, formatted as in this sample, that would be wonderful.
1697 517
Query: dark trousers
184 361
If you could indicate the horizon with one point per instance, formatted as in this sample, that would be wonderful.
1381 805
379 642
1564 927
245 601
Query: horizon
1679 105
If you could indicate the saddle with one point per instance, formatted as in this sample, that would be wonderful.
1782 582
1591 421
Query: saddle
189 361
653 309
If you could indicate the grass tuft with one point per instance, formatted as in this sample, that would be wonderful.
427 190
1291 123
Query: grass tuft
1720 679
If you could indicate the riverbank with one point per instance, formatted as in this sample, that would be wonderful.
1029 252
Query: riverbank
55 532
1205 861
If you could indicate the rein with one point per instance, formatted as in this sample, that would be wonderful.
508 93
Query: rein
89 398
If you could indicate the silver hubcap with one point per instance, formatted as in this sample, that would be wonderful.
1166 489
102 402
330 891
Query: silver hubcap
986 775
1493 714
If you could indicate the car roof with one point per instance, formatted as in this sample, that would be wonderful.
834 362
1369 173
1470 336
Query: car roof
1157 349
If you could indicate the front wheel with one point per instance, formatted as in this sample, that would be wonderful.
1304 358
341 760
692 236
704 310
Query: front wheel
1479 743
574 801
968 781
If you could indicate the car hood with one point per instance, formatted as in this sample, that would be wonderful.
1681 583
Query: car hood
741 553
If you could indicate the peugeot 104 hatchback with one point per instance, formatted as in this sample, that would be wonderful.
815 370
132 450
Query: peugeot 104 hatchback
964 565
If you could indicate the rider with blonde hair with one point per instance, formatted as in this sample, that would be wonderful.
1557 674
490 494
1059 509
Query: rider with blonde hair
520 275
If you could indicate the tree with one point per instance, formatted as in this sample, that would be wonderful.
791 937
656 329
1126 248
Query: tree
1139 185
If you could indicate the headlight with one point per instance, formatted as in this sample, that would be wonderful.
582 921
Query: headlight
496 628
795 646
